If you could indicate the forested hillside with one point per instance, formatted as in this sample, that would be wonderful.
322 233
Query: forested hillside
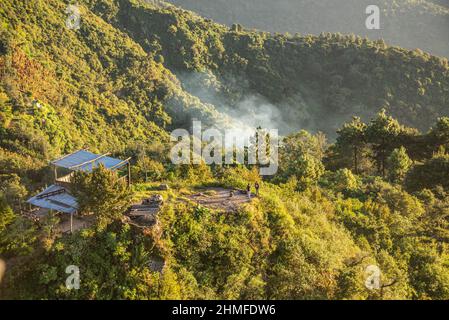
372 190
301 79
313 82
411 24
63 89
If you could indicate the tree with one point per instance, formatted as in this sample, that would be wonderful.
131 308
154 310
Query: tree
439 134
49 224
150 168
399 164
300 152
101 193
17 233
430 174
382 133
343 180
259 145
352 135
308 171
12 189
18 237
6 214
428 273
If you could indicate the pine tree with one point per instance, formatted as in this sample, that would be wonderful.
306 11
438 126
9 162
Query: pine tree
439 134
383 133
399 164
308 171
352 135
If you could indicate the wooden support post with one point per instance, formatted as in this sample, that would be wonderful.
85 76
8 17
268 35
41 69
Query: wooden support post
56 173
71 223
129 174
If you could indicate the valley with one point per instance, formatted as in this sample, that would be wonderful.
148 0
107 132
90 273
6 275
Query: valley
362 169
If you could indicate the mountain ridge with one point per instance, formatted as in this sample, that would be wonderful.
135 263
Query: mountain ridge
411 24
159 66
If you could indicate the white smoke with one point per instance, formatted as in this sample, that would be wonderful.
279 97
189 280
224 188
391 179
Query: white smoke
245 110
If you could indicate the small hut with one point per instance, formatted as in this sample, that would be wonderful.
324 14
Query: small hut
84 160
57 197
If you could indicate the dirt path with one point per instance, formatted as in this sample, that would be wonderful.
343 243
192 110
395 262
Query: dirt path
219 198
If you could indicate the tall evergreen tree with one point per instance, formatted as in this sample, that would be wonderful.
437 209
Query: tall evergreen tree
439 134
399 164
383 135
352 135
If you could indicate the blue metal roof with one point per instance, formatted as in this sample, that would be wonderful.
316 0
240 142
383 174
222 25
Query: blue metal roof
85 161
55 198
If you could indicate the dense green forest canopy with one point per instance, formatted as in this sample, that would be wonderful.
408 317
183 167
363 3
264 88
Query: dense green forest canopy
311 82
406 23
196 68
312 232
374 192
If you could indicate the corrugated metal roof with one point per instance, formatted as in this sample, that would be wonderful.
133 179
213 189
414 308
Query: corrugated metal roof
85 161
55 198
